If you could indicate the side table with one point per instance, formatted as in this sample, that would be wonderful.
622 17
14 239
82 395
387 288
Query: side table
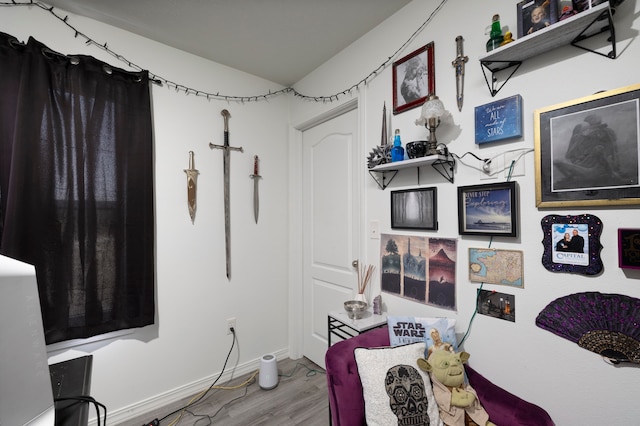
340 325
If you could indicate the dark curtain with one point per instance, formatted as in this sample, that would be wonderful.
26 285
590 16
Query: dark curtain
76 187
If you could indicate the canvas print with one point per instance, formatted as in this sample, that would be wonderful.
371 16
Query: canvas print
419 269
499 120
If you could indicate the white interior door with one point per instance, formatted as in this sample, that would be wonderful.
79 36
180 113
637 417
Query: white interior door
331 224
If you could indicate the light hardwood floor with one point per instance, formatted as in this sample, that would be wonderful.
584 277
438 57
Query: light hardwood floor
299 399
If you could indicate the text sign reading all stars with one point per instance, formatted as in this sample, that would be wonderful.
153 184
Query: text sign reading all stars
499 120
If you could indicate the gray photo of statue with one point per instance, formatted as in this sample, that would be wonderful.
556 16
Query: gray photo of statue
596 148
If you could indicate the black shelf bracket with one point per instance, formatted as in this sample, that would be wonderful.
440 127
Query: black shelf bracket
501 66
605 14
445 167
381 177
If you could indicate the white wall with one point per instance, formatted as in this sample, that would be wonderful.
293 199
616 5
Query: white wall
189 344
186 350
574 385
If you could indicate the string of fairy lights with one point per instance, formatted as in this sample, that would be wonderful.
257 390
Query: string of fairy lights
220 96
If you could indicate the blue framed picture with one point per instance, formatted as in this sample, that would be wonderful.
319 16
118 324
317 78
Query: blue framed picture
499 120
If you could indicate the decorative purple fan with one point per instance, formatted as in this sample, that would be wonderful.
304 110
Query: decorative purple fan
607 324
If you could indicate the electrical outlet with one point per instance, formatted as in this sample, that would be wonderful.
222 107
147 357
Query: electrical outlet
231 323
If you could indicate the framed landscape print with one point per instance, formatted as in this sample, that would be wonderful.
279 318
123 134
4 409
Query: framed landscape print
414 209
490 209
413 79
572 244
587 151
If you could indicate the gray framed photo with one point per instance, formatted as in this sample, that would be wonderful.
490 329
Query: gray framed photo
414 209
587 151
490 209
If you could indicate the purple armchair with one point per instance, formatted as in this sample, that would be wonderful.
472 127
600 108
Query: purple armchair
347 403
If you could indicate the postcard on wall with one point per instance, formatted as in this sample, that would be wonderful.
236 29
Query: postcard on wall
497 305
420 269
495 266
499 120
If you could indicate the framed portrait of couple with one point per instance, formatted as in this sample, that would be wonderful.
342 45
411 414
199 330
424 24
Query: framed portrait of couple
572 244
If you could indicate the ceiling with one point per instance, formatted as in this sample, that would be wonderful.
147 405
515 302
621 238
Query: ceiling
279 40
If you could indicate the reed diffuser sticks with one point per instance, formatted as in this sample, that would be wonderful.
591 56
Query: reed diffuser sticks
364 276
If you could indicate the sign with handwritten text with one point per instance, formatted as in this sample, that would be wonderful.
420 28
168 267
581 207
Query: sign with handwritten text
499 120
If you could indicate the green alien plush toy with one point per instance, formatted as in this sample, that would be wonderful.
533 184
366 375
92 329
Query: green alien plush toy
457 401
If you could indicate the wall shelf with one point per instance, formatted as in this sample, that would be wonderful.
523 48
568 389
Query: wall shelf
383 174
573 31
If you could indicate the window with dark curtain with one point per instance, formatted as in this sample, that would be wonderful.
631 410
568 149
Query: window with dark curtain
76 187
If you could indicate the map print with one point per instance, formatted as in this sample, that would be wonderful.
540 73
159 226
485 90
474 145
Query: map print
494 266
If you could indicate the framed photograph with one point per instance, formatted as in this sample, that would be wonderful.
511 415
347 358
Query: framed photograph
535 15
490 209
414 209
572 244
414 79
497 305
499 120
587 150
629 248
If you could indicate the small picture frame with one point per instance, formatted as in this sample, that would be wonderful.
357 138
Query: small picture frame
413 79
499 120
490 210
629 248
414 209
572 244
496 266
587 151
535 15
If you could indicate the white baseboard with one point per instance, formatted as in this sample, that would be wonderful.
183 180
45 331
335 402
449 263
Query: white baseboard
164 399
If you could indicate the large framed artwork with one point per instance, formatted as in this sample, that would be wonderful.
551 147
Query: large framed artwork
414 209
587 151
490 209
414 79
572 244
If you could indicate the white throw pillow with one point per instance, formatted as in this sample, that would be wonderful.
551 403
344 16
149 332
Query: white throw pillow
394 388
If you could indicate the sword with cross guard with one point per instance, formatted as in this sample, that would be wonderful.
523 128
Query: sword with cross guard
226 164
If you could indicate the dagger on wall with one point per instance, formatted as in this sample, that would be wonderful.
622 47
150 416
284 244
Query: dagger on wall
192 184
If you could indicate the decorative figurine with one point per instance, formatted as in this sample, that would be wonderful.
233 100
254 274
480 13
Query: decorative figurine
495 33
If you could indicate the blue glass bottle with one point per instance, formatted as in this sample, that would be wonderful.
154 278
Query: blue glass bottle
397 152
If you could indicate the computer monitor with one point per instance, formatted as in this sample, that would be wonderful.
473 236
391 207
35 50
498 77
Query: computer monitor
26 397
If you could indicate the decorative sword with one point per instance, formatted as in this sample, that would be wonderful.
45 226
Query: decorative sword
458 63
256 196
192 182
226 164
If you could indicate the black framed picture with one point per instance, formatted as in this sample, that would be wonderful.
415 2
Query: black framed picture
490 209
535 15
629 248
587 150
414 209
572 243
414 79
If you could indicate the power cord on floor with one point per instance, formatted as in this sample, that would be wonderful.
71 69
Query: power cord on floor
197 398
310 371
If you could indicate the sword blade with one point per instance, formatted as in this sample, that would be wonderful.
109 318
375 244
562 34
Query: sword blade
256 198
226 166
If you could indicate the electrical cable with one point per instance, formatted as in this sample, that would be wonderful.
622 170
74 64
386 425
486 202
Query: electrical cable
310 371
199 397
90 400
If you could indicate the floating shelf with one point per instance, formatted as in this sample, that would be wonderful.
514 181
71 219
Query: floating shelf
571 31
383 174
